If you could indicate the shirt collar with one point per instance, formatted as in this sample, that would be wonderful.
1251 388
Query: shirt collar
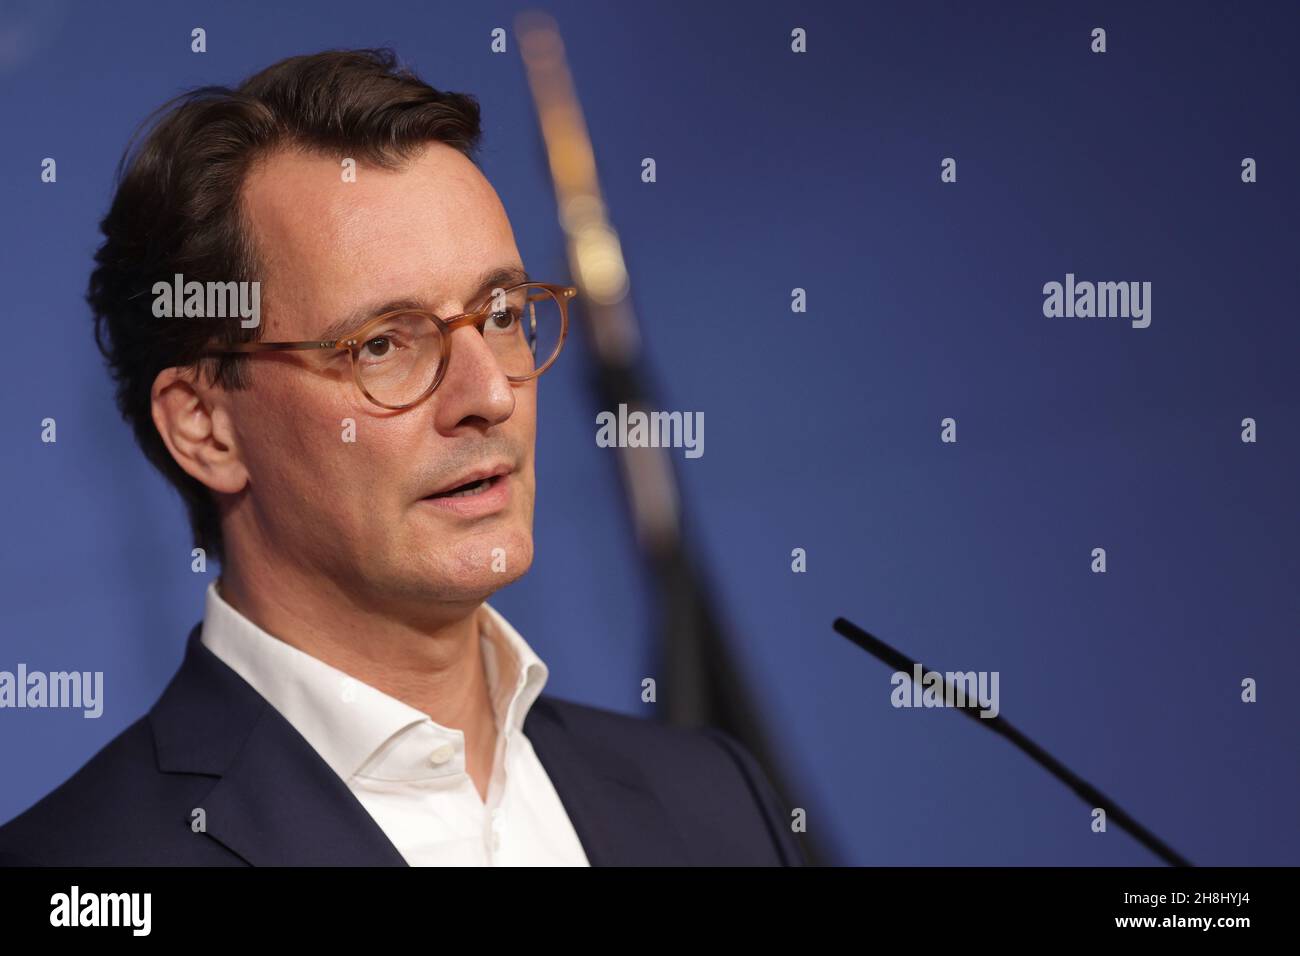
345 720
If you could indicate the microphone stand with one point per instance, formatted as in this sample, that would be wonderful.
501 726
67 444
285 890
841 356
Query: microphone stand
701 683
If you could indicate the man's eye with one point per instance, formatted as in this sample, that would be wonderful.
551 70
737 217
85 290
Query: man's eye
501 321
377 347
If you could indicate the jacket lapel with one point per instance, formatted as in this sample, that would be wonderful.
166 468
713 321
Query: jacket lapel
275 802
617 818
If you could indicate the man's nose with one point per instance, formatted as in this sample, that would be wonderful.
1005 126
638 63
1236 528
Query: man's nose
474 391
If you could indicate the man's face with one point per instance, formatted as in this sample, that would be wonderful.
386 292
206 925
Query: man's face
357 512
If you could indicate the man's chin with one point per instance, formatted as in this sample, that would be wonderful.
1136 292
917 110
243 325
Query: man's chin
439 597
466 570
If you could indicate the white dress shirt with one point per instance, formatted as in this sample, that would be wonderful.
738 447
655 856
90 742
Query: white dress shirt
405 769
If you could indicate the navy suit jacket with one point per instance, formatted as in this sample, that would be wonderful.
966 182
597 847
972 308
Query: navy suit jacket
638 792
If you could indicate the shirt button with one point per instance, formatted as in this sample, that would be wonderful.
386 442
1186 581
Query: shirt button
441 754
496 840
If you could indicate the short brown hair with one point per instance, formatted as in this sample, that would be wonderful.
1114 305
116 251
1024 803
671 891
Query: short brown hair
177 209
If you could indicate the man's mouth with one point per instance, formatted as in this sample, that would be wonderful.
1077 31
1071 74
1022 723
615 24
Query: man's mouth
477 495
469 488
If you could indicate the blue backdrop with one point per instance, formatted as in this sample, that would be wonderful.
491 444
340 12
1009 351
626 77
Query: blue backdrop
818 171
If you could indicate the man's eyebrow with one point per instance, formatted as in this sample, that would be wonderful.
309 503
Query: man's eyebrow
501 277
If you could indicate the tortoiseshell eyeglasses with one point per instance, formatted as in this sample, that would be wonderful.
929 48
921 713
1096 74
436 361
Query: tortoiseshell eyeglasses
399 358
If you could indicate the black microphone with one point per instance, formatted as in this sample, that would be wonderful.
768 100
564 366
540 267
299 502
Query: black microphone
1086 791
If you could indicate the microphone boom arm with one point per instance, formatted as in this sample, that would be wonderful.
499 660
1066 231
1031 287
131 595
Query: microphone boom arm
1086 791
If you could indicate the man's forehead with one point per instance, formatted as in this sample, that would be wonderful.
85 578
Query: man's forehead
430 227
305 201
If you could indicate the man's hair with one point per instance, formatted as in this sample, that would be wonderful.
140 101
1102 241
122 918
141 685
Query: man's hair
177 209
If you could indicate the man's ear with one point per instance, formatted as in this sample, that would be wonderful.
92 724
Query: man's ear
195 426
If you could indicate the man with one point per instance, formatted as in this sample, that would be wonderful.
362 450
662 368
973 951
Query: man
358 453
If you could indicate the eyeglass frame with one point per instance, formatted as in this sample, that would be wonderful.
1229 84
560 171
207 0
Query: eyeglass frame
478 318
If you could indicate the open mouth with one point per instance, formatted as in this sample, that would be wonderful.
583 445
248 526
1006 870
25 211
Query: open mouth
468 489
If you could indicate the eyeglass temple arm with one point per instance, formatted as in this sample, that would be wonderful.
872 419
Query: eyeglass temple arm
275 347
